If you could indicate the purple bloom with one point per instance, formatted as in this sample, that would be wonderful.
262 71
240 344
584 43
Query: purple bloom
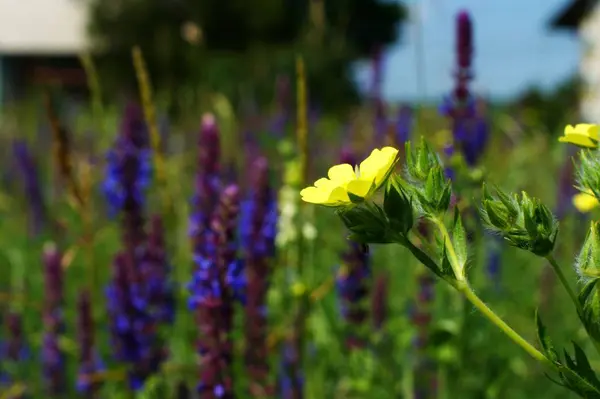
14 349
215 284
137 302
89 363
53 359
258 227
129 166
291 385
404 125
469 126
28 170
352 282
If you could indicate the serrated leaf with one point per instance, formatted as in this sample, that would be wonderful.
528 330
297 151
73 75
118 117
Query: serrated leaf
544 339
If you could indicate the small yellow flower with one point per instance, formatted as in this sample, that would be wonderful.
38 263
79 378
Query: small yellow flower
585 202
298 289
359 181
582 135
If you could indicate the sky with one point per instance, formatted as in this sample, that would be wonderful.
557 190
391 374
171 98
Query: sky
514 49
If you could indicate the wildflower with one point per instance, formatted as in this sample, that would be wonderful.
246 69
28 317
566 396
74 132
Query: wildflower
89 364
352 284
404 125
217 281
128 172
53 359
258 227
14 349
585 202
133 325
582 135
31 183
470 129
208 183
345 181
291 383
155 269
379 301
134 322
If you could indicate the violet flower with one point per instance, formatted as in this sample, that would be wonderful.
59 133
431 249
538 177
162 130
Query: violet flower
469 126
404 125
216 283
134 322
28 170
156 269
53 359
89 363
14 349
291 383
129 169
208 184
352 283
258 225
379 301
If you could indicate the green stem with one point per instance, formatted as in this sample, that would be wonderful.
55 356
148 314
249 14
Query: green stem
463 287
501 324
565 284
454 262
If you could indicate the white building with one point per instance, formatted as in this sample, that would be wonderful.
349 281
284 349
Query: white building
39 43
583 18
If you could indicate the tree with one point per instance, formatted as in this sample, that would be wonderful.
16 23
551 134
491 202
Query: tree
188 43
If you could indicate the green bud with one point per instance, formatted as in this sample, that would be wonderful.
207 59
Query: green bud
525 223
587 263
398 207
421 161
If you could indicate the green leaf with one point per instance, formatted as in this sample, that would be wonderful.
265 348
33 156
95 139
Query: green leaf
459 239
398 208
544 339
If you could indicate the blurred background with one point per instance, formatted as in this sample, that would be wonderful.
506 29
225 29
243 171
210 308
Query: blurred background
146 141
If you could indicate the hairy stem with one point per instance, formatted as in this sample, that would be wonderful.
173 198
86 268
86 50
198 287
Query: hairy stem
565 284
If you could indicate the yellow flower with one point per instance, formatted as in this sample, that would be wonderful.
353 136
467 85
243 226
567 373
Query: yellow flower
582 135
359 181
585 202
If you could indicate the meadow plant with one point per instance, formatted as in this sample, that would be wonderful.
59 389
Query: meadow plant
469 128
53 357
89 362
218 282
422 194
135 322
32 189
14 349
258 224
353 285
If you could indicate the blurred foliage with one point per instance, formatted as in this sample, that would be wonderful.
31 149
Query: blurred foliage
237 47
552 109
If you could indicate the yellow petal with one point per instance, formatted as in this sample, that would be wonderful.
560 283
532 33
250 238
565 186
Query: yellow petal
388 158
314 195
369 167
341 173
586 129
578 139
585 202
360 187
323 182
337 196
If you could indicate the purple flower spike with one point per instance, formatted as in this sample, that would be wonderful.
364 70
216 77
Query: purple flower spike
258 227
53 359
353 282
217 281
